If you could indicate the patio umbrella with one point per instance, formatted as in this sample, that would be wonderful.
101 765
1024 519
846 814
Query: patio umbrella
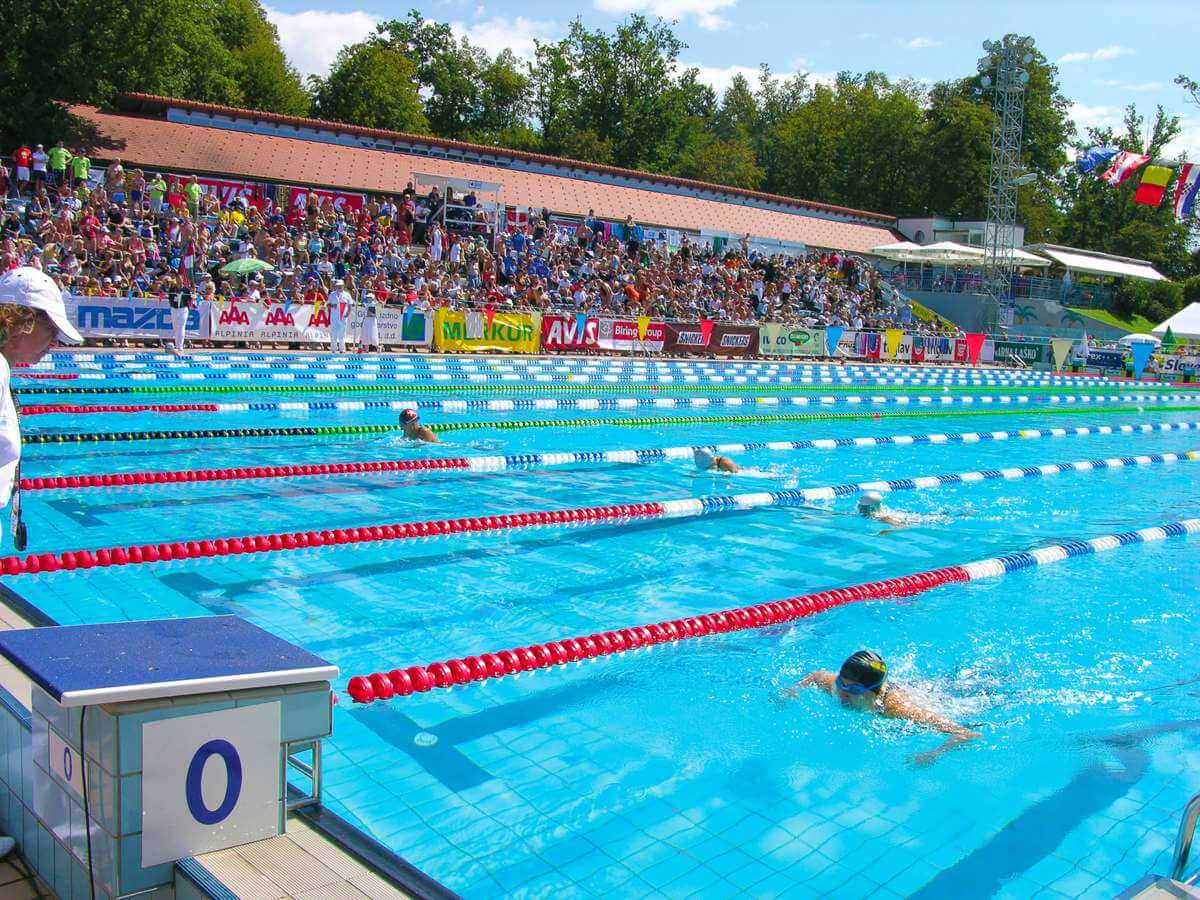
1140 339
246 266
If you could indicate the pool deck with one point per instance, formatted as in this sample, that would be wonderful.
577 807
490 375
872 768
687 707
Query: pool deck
302 863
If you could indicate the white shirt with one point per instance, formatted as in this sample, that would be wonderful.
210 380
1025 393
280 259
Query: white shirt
10 436
336 299
39 160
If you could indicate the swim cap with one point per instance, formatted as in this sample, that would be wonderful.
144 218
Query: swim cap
408 417
870 500
865 667
704 459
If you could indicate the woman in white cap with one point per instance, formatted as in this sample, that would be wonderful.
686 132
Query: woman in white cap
870 506
32 318
707 461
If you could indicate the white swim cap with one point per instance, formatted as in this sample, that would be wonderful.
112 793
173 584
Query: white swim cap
870 500
704 459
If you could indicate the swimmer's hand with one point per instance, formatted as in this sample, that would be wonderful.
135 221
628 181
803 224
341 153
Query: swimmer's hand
929 757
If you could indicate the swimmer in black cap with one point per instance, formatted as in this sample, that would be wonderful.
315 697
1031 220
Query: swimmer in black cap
862 684
414 430
706 461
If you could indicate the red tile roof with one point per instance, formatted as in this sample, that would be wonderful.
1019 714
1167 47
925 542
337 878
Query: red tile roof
154 142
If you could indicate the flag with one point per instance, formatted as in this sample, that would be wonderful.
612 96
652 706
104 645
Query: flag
1154 185
974 346
1168 341
894 336
1186 190
1141 355
1124 165
1095 156
833 334
1061 347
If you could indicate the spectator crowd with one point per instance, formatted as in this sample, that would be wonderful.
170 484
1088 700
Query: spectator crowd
128 232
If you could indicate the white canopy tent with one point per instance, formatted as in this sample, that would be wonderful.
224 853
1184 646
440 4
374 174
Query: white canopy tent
899 252
951 253
1184 324
1089 262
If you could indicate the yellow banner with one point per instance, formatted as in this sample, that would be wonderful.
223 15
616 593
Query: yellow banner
643 327
456 331
894 336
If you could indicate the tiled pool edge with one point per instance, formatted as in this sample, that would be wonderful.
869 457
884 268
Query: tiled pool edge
16 722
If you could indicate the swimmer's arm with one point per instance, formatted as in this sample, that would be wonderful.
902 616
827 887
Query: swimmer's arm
898 706
820 678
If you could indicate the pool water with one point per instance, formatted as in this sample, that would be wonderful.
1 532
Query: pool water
693 769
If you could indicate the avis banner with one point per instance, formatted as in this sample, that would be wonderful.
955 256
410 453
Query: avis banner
622 335
789 340
341 200
561 332
252 192
128 317
303 323
469 331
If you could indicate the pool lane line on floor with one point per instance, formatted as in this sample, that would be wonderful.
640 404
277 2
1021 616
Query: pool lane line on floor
640 421
593 515
522 404
484 666
526 461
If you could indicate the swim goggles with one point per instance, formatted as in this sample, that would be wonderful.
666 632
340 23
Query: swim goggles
856 689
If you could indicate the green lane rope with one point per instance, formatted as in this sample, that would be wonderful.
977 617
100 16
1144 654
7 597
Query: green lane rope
448 427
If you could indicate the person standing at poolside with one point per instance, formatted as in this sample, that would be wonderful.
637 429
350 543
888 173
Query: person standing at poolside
414 430
339 315
862 684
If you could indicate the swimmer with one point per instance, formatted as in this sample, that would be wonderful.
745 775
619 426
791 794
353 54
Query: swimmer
862 684
870 506
706 461
414 430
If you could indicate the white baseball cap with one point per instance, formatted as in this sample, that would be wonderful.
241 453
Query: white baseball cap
26 286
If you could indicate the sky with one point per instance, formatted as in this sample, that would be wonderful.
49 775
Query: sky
1109 55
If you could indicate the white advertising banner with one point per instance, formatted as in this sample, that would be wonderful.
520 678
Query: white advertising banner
210 781
128 317
304 323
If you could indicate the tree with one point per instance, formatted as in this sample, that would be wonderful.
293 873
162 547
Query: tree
707 157
372 85
265 78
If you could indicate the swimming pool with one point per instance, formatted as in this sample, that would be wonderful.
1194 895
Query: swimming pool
684 769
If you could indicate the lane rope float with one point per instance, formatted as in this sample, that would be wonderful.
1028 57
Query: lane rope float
525 461
594 403
591 515
642 421
401 682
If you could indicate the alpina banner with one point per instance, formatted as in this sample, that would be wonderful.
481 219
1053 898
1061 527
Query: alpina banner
302 323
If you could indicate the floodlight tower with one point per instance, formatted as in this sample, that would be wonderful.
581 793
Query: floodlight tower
1002 72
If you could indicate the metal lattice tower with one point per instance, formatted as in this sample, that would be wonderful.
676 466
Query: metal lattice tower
1008 86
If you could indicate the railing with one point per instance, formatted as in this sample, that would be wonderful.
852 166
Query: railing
1031 287
1183 840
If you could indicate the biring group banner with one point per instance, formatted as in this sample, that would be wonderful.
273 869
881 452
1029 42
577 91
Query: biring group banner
566 332
130 317
641 335
305 323
458 331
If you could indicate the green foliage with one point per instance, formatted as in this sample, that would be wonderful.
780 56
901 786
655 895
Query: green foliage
372 85
1155 300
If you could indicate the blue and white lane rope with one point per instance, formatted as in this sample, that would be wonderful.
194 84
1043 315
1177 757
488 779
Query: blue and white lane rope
696 506
523 404
658 454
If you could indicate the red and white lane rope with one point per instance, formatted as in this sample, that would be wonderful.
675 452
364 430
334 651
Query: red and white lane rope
445 674
590 515
523 461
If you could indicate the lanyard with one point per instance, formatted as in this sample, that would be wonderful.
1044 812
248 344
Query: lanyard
19 533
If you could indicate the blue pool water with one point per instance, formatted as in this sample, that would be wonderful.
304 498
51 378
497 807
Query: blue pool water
687 770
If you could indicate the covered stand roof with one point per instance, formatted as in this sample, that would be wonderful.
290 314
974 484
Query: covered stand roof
191 137
1089 262
1184 324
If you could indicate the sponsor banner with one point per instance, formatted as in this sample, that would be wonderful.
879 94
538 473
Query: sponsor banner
569 332
460 331
128 317
253 193
847 345
790 340
622 334
1179 365
938 348
1107 359
303 323
1031 354
733 340
688 337
341 200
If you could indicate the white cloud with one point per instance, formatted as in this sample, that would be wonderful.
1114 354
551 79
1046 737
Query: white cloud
1188 141
720 78
704 11
312 38
920 43
500 32
1100 54
1086 117
800 63
1136 86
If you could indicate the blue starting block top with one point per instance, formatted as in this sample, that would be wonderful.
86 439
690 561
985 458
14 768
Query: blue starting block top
85 665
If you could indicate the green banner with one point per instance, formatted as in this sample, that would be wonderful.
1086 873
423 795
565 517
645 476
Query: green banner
1032 354
790 340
